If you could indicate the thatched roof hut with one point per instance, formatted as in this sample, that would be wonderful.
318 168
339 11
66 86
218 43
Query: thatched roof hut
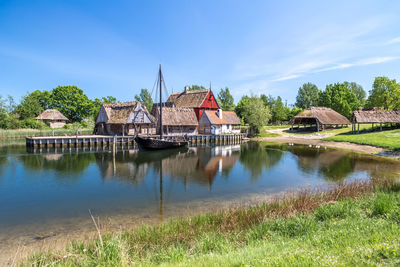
123 113
321 116
375 115
123 118
51 115
176 120
175 116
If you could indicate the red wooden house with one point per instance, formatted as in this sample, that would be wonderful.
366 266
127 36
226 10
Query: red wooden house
199 100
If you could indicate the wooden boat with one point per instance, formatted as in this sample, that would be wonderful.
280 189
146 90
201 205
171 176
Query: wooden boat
145 143
148 143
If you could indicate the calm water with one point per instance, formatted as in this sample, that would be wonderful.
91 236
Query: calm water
56 188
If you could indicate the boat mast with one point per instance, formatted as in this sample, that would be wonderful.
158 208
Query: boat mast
160 81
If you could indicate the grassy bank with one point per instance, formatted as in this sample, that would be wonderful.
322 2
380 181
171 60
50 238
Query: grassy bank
20 133
387 139
352 224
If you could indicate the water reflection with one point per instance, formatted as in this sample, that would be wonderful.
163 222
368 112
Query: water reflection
65 183
200 165
257 157
73 163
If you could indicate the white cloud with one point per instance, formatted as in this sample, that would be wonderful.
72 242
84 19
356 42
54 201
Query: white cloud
364 62
393 41
326 48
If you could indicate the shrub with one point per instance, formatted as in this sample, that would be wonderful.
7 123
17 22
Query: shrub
33 124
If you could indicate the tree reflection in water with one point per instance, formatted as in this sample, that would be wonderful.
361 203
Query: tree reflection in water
332 165
257 157
74 163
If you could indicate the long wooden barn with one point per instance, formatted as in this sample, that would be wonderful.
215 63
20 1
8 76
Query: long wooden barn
176 120
321 117
374 116
124 119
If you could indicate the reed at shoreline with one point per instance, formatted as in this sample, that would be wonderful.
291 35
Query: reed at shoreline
352 223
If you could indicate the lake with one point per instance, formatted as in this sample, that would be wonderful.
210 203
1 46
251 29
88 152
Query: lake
48 193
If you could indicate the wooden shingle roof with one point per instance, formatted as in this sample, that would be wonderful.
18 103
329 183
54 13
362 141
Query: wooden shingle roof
228 117
376 116
52 114
324 115
189 99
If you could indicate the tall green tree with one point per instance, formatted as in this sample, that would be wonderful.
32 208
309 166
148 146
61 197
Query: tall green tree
239 109
385 94
71 101
33 104
307 96
225 99
340 98
145 98
358 90
256 114
279 111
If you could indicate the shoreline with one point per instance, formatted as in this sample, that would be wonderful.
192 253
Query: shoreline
318 142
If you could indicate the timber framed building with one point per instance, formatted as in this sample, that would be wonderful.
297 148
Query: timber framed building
176 120
374 116
321 117
199 100
125 118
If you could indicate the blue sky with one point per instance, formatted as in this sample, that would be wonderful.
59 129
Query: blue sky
270 47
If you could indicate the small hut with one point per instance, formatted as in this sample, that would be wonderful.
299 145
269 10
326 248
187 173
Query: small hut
321 117
175 120
124 118
374 115
53 118
218 122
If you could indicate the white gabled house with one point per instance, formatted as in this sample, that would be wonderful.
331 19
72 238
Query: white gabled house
218 122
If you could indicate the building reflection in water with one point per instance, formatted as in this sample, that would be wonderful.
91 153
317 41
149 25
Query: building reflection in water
199 167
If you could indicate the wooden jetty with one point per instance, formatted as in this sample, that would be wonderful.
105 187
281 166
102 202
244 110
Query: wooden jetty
107 140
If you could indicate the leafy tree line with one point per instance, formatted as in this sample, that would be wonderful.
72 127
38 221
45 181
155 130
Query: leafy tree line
346 97
69 100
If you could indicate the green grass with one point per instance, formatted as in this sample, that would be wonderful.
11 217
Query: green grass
267 134
363 127
353 224
19 133
387 139
269 127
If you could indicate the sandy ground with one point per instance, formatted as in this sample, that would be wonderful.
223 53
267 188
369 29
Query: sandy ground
315 140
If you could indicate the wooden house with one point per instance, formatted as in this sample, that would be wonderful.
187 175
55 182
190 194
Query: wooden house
199 100
53 118
176 120
218 122
124 119
321 117
374 116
